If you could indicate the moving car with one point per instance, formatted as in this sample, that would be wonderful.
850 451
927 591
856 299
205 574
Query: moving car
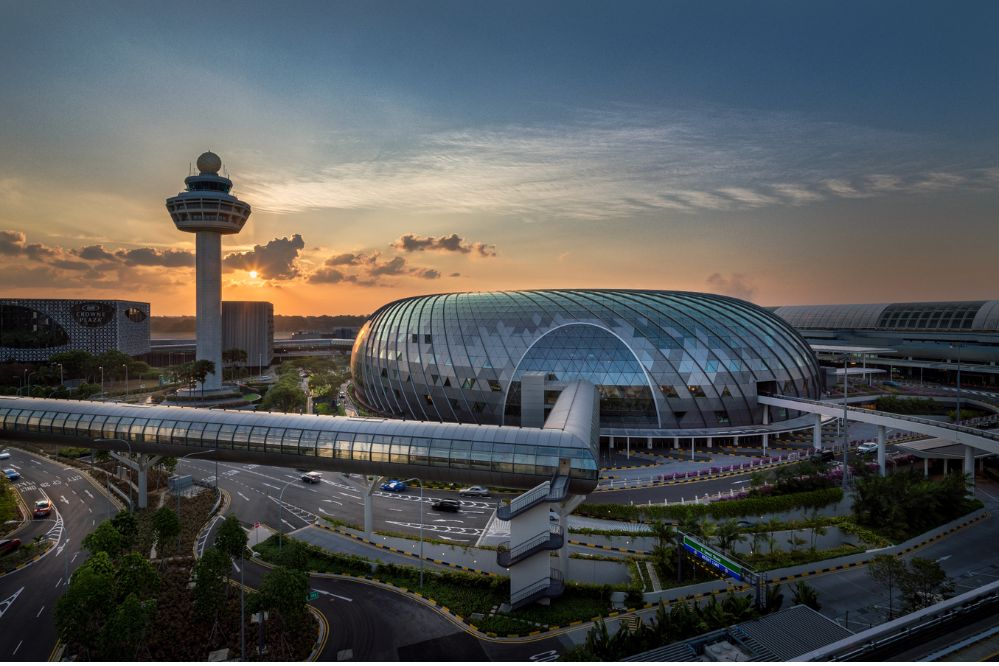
867 447
12 474
823 456
9 545
474 491
394 486
4 455
451 505
43 507
312 477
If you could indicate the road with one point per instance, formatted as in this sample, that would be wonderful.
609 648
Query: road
27 622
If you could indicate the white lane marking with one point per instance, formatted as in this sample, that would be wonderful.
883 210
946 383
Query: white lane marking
235 566
243 496
74 557
9 601
287 523
330 594
446 520
353 497
39 614
17 648
393 509
59 581
63 499
89 494
90 510
274 487
945 557
34 461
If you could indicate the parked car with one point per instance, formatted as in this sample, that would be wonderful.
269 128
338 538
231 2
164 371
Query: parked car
474 491
4 455
394 486
867 447
43 507
9 545
451 505
312 477
12 474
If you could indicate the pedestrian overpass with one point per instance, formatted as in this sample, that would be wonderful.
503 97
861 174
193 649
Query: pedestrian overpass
556 463
970 438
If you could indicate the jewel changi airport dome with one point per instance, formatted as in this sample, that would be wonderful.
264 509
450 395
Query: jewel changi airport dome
660 359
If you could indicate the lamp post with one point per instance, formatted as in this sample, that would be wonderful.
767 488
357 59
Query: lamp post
957 415
421 526
101 368
281 508
846 422
61 381
125 365
196 453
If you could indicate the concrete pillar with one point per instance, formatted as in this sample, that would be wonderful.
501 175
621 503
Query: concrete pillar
881 449
711 442
610 444
650 443
946 460
627 448
208 264
766 439
817 432
969 467
676 442
926 468
766 421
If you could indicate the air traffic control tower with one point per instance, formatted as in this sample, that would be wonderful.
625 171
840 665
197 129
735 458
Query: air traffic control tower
207 209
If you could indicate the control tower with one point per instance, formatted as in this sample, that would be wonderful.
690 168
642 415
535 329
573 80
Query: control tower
207 209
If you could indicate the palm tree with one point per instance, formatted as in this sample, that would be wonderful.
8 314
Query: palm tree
729 533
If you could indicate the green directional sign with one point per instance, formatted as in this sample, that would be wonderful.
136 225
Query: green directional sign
713 557
313 595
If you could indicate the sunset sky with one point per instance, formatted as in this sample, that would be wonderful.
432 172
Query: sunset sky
785 152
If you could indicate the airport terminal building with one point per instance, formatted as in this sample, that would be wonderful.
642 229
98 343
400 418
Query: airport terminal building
662 361
32 329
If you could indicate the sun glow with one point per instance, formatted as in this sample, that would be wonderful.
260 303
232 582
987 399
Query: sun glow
253 275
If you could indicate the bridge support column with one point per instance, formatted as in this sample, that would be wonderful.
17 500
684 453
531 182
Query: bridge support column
649 443
969 468
926 468
627 448
817 432
676 442
141 464
369 509
881 450
766 421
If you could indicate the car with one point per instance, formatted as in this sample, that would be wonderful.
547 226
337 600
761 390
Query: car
394 486
474 491
867 447
4 455
312 477
9 545
12 474
823 456
43 507
451 505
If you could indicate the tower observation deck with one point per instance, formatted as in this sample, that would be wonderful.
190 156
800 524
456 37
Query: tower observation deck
208 210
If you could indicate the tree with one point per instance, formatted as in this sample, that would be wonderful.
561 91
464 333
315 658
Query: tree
126 628
295 556
284 398
105 539
728 533
774 597
83 610
166 524
231 537
807 595
924 583
136 575
126 525
210 581
200 371
283 592
887 571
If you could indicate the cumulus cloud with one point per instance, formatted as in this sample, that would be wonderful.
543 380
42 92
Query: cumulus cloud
12 242
452 243
368 269
274 261
734 284
148 256
95 253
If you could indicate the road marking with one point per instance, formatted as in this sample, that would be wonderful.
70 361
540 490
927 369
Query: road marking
333 595
274 487
447 520
89 494
353 497
392 509
9 601
287 523
64 500
235 566
243 496
17 648
39 614
74 557
945 557
59 581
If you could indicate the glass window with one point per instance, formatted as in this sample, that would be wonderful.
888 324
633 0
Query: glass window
179 435
326 445
258 436
289 441
109 426
83 425
524 463
400 450
210 434
35 419
165 431
137 428
480 456
46 423
343 442
22 419
307 445
362 447
241 438
124 428
274 437
380 452
96 425
225 436
419 451
502 457
58 423
440 452
195 433
152 425
459 453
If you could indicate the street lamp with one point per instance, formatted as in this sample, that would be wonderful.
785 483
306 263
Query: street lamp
125 365
61 381
177 490
421 526
101 368
957 415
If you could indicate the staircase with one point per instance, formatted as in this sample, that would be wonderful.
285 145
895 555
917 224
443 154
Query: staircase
555 490
552 585
551 539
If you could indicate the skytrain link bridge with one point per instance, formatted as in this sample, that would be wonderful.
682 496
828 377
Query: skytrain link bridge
556 463
970 438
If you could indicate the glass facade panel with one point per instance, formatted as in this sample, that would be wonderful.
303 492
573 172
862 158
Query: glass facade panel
326 445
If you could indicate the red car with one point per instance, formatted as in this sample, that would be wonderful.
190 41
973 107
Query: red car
9 545
43 508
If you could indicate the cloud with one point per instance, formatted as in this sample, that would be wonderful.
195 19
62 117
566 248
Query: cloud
452 243
274 261
611 163
367 270
12 242
95 253
735 284
148 256
346 259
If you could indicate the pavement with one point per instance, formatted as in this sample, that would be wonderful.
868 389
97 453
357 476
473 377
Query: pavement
28 596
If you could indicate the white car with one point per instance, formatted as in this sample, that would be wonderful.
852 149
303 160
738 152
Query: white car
312 477
867 447
473 491
4 455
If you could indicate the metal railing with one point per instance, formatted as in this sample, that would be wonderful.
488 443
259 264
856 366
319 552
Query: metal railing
551 539
538 588
525 501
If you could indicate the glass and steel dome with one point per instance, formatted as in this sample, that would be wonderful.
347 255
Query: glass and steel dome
660 359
